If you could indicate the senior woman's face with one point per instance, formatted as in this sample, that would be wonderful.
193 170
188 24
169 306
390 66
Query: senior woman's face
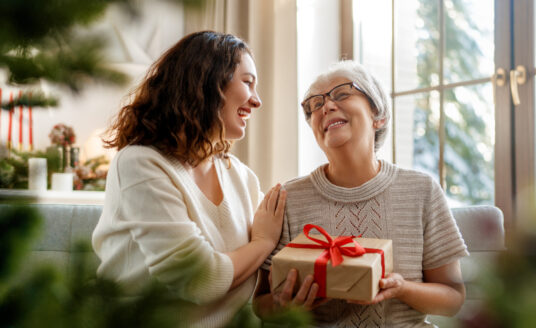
348 122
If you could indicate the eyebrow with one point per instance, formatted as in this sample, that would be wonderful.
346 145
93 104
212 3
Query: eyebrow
250 74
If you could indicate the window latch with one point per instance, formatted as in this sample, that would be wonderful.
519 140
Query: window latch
518 77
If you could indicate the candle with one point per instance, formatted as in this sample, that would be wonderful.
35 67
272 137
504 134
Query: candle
30 123
20 122
37 173
62 181
10 123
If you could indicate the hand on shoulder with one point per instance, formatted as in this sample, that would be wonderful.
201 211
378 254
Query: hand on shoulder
268 219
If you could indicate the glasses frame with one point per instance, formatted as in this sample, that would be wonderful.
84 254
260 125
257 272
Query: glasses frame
328 94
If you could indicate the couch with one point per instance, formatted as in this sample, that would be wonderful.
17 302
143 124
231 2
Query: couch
64 225
481 226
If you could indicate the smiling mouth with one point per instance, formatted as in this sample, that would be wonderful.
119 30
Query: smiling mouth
244 114
335 124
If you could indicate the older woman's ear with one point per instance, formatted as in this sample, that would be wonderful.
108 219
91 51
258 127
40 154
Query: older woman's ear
379 123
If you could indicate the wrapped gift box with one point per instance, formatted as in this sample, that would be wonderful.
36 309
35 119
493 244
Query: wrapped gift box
356 278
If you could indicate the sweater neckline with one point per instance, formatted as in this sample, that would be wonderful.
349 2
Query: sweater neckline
366 191
194 189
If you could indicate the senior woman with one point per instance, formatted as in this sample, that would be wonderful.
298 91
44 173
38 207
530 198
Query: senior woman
355 193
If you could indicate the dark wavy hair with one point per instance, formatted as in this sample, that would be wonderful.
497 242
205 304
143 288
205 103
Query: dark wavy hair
176 109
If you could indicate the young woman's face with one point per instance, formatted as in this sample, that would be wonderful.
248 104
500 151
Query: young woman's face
240 98
345 122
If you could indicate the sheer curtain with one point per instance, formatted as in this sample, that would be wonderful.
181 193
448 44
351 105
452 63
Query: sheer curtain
270 147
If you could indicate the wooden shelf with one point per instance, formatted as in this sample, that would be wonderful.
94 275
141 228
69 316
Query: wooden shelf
54 197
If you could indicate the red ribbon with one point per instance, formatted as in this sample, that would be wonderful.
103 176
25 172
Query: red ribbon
333 250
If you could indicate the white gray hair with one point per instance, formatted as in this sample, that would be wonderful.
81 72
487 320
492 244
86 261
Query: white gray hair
357 73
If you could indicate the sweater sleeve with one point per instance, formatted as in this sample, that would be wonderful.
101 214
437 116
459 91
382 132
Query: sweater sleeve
443 242
174 249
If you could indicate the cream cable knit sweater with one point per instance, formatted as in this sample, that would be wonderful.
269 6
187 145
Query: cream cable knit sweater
403 205
157 223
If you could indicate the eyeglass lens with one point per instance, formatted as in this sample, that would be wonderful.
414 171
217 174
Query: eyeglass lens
338 93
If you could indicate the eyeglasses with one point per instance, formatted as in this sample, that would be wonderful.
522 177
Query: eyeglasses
338 93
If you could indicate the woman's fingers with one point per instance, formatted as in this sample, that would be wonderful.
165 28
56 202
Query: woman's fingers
264 203
311 296
306 295
280 210
302 293
286 294
387 283
272 201
391 281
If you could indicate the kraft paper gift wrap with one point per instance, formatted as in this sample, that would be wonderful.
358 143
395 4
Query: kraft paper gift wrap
355 278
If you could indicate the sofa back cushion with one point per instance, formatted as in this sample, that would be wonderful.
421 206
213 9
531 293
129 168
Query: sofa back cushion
63 226
482 228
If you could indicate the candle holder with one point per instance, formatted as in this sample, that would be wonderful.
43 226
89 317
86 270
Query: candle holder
55 158
67 159
63 135
75 156
62 181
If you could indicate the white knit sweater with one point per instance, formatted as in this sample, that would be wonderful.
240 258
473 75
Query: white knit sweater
157 223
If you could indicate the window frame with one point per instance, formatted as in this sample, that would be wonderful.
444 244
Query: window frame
514 125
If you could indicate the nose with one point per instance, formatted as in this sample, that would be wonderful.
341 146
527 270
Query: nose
255 100
329 106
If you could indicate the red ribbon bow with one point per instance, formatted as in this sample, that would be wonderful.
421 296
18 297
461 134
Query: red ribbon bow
333 250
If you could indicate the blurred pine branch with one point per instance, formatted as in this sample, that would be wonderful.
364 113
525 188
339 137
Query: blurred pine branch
34 98
18 226
39 41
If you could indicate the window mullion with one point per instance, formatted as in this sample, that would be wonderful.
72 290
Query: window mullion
393 70
441 129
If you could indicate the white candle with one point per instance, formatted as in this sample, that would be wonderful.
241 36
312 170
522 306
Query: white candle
37 173
62 181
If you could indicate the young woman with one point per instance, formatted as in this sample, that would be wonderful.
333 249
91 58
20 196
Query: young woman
179 208
357 194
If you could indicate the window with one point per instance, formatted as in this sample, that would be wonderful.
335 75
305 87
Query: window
448 65
437 65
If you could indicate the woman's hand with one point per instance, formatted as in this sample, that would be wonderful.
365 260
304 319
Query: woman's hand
391 286
268 218
305 297
265 233
442 292
266 301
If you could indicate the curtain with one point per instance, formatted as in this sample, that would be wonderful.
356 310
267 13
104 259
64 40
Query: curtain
270 147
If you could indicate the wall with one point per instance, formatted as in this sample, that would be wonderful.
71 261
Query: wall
134 43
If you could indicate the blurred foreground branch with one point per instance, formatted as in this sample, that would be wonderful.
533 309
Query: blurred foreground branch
43 41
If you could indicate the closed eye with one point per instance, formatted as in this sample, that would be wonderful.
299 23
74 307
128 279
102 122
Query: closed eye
341 95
